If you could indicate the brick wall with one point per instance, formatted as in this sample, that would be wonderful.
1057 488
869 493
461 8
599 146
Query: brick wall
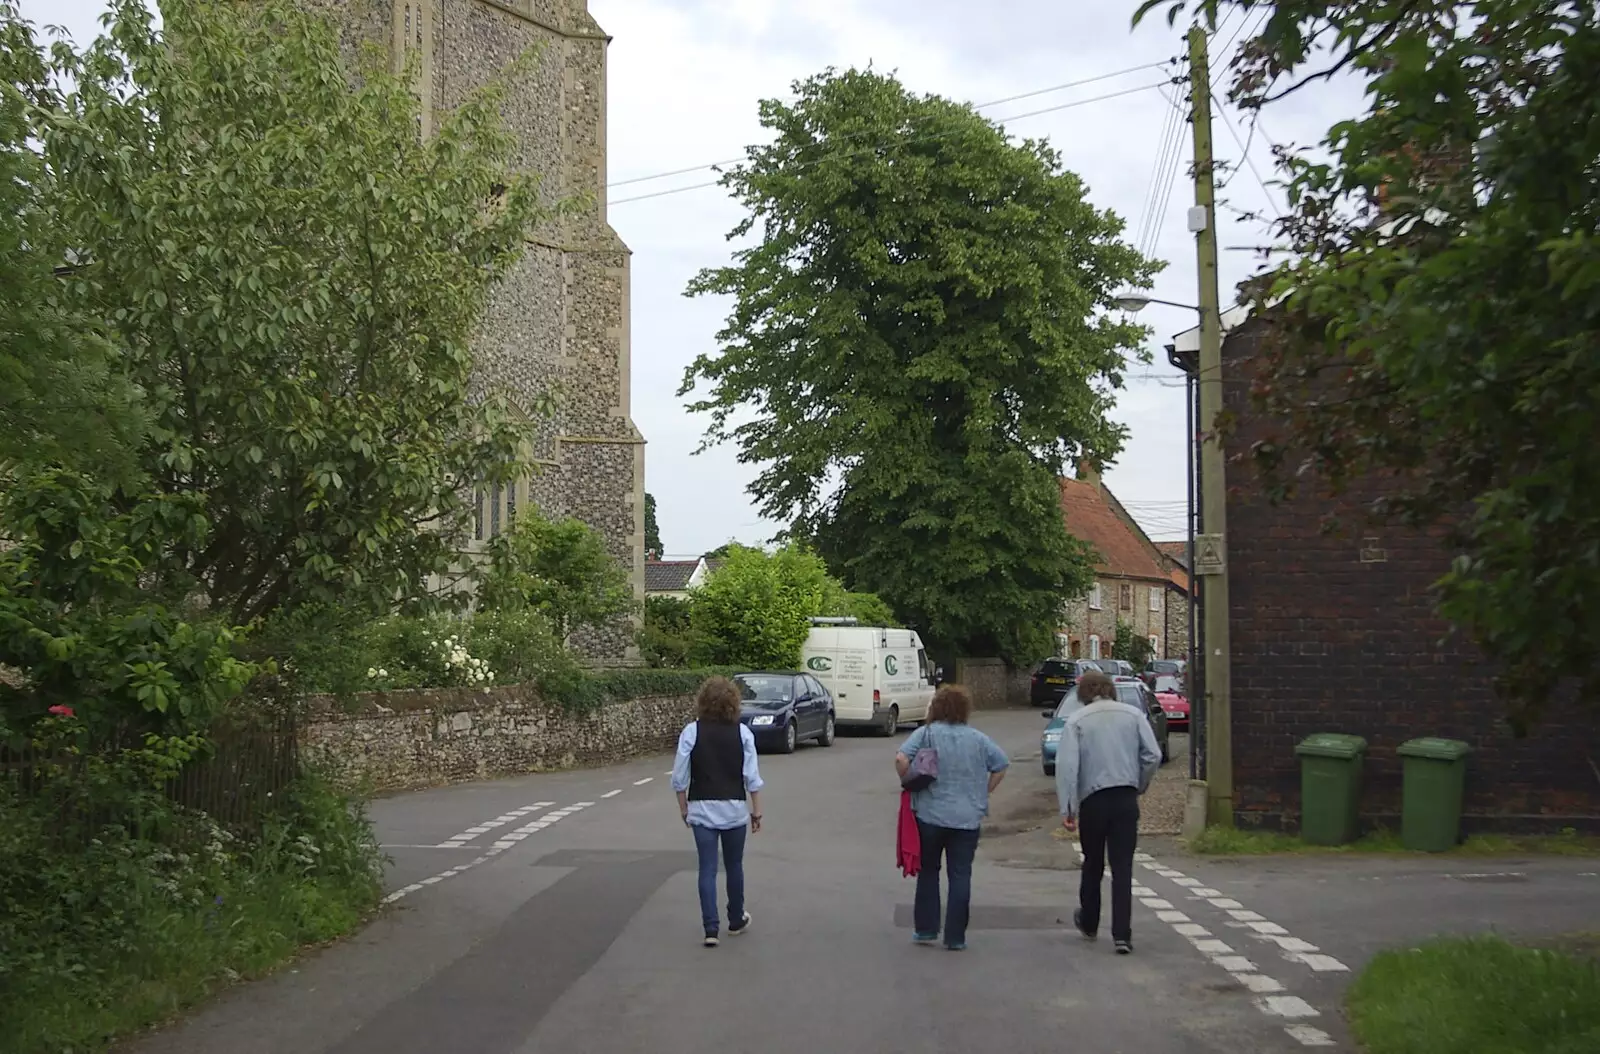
1337 633
986 679
1080 620
405 740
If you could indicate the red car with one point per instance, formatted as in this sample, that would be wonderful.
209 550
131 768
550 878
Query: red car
1177 708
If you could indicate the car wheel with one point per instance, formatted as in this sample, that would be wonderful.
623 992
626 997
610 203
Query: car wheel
826 739
790 738
1166 755
1049 770
891 722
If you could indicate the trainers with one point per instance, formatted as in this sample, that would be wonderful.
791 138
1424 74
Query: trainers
959 946
1124 947
924 938
742 925
711 940
1077 922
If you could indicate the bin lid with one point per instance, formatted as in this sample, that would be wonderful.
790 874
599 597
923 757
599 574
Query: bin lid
1434 748
1331 745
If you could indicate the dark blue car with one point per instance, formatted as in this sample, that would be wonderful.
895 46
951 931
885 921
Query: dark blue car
784 707
1130 690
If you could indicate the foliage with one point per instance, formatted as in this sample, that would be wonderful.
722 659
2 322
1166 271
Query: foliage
1131 646
756 610
1460 334
666 638
108 927
559 568
61 397
928 320
597 689
292 277
652 528
521 647
78 619
868 609
1460 995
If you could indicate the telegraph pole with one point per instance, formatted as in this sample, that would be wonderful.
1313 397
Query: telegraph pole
1210 562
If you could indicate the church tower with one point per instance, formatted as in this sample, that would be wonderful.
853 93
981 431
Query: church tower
558 324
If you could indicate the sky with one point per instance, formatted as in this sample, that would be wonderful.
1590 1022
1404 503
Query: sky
685 79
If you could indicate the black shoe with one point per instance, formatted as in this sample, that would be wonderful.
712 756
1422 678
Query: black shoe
711 940
1077 921
1124 947
743 925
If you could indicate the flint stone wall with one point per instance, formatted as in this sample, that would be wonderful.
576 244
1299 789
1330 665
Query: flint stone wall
395 741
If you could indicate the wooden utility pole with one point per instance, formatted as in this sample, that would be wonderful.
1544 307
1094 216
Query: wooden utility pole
1211 550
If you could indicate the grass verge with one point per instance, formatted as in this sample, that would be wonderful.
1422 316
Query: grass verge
1466 996
1233 841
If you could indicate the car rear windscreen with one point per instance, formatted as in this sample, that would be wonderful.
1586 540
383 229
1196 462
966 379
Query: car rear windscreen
760 687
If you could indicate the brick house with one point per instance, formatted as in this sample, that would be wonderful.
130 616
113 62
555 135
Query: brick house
1336 632
1133 583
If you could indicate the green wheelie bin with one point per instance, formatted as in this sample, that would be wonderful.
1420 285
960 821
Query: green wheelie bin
1434 784
1330 787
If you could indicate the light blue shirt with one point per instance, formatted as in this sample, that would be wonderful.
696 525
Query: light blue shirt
959 798
718 814
1105 744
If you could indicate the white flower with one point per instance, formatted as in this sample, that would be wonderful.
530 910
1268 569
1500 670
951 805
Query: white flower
491 675
383 673
372 671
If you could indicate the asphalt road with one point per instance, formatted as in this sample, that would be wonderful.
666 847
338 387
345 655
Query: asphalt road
581 933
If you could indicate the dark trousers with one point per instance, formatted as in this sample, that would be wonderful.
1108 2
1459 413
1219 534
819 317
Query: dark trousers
706 842
1108 825
957 847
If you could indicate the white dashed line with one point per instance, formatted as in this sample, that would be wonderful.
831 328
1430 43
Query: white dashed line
1272 995
456 841
612 794
508 840
641 783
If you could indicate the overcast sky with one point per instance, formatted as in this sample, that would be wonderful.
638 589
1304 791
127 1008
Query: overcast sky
685 79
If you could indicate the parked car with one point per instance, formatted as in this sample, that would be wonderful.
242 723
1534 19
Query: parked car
784 707
1113 667
1163 674
1130 690
1054 678
879 678
1177 707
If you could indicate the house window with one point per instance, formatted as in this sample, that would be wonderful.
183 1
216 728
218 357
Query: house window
511 507
1061 644
1155 646
1077 649
1094 646
477 515
1155 599
1125 596
1094 597
494 511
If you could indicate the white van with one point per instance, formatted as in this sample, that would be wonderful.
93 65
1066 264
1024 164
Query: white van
879 678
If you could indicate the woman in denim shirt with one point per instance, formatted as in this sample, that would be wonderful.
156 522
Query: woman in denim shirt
951 810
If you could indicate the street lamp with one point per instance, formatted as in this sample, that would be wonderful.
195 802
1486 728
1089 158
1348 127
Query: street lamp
1135 302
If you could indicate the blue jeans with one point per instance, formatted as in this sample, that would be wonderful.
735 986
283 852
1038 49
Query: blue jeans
706 840
957 846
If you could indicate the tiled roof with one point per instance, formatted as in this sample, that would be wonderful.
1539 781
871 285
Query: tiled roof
1179 551
1090 518
668 576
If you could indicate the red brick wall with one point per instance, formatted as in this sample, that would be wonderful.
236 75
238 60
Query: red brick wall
1325 641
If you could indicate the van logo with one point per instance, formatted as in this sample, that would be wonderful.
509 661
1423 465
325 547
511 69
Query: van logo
819 663
890 667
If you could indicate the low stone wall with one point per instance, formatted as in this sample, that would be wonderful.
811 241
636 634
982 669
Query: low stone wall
392 741
985 679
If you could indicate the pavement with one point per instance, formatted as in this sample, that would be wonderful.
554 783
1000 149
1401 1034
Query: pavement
557 912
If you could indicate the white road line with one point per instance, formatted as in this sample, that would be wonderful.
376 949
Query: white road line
456 841
1319 963
1288 1006
1158 904
1225 903
1311 1037
1271 928
1203 894
397 845
1259 983
1187 881
1247 916
1172 916
1211 946
1191 929
1234 963
641 783
507 840
612 794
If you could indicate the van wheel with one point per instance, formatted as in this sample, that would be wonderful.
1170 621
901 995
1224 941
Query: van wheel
826 739
891 722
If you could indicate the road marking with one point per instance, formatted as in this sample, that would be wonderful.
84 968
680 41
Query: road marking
612 794
398 845
456 841
1311 1037
507 840
1288 1006
641 783
1272 995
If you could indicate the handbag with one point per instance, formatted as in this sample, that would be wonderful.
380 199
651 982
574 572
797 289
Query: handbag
924 770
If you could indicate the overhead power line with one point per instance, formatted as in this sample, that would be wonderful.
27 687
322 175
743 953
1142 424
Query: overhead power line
977 106
911 139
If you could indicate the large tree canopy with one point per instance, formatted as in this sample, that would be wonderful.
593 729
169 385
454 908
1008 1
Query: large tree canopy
292 276
923 322
1459 321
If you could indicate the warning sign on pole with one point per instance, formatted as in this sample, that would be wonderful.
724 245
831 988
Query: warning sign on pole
1210 555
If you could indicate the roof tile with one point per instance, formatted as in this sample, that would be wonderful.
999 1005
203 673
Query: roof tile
1090 518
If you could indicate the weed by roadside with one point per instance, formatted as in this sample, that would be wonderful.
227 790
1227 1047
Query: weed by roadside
1462 996
1233 841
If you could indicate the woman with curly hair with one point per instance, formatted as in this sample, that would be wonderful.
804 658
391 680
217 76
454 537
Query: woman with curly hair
719 798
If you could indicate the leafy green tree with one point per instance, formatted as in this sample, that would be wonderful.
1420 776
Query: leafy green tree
1443 276
1131 646
927 318
61 398
666 637
292 277
652 529
756 610
560 568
